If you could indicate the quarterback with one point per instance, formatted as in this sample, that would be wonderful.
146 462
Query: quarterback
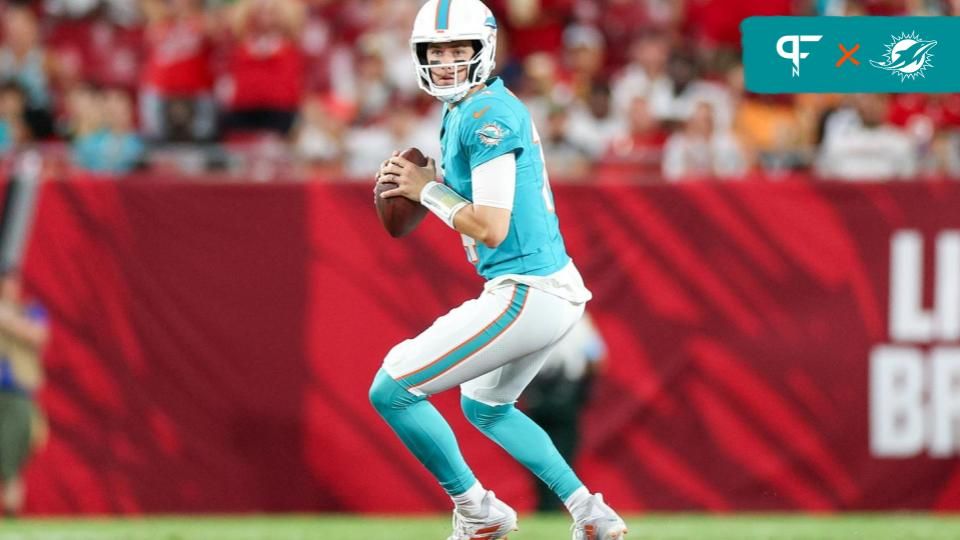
494 191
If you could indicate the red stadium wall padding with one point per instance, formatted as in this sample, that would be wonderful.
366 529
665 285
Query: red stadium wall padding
213 345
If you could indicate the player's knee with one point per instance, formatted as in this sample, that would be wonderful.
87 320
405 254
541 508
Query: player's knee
482 415
382 391
386 394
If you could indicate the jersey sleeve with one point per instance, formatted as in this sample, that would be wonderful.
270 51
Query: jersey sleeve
490 130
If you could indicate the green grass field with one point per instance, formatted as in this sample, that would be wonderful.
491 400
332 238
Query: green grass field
647 527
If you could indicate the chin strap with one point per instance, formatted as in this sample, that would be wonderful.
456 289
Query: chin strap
442 201
455 98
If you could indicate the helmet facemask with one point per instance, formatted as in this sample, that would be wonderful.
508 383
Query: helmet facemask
473 73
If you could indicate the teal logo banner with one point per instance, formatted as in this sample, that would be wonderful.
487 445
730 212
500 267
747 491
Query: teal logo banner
851 54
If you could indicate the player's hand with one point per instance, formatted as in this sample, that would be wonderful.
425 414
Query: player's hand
380 174
410 179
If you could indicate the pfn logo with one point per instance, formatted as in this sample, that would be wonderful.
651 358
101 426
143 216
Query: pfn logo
794 54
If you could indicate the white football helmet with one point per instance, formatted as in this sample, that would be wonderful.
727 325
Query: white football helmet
441 21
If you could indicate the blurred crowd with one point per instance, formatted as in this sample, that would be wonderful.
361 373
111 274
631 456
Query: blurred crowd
621 90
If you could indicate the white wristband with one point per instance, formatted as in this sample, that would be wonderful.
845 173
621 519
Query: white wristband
442 201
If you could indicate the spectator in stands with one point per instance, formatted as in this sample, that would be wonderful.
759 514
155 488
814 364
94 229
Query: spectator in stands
645 75
540 86
584 52
701 150
341 34
402 128
317 44
690 89
104 47
319 134
948 149
592 124
860 144
372 88
946 112
393 34
13 129
265 81
533 25
621 21
636 155
109 143
714 25
117 47
81 115
23 333
768 126
176 101
671 80
568 159
24 60
920 116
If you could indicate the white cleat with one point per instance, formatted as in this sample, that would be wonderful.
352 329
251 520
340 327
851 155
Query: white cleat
602 522
497 522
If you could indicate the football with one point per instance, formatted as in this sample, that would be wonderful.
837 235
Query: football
399 215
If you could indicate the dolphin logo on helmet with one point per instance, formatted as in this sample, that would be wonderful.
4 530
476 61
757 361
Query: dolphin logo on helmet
444 21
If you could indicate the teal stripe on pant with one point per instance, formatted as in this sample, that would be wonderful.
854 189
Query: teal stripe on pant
474 344
424 431
523 439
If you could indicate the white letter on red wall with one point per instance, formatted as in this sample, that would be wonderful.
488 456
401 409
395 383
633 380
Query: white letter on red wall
908 320
944 401
896 401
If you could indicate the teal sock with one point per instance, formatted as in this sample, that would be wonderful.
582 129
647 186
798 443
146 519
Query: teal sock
424 431
523 439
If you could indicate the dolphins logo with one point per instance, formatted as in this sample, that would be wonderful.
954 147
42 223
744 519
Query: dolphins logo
907 56
491 134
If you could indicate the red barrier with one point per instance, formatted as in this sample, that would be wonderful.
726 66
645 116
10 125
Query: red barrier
213 346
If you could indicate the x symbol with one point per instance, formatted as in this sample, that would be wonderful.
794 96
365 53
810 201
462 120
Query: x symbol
848 55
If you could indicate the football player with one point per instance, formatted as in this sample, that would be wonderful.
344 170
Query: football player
496 194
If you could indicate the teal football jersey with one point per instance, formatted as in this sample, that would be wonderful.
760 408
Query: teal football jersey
485 125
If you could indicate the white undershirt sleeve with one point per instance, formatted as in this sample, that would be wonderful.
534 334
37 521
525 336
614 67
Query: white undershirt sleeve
495 182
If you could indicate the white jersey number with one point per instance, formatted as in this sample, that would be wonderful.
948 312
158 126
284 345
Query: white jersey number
547 193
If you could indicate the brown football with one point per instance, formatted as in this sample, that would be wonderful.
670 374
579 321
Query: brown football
399 215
